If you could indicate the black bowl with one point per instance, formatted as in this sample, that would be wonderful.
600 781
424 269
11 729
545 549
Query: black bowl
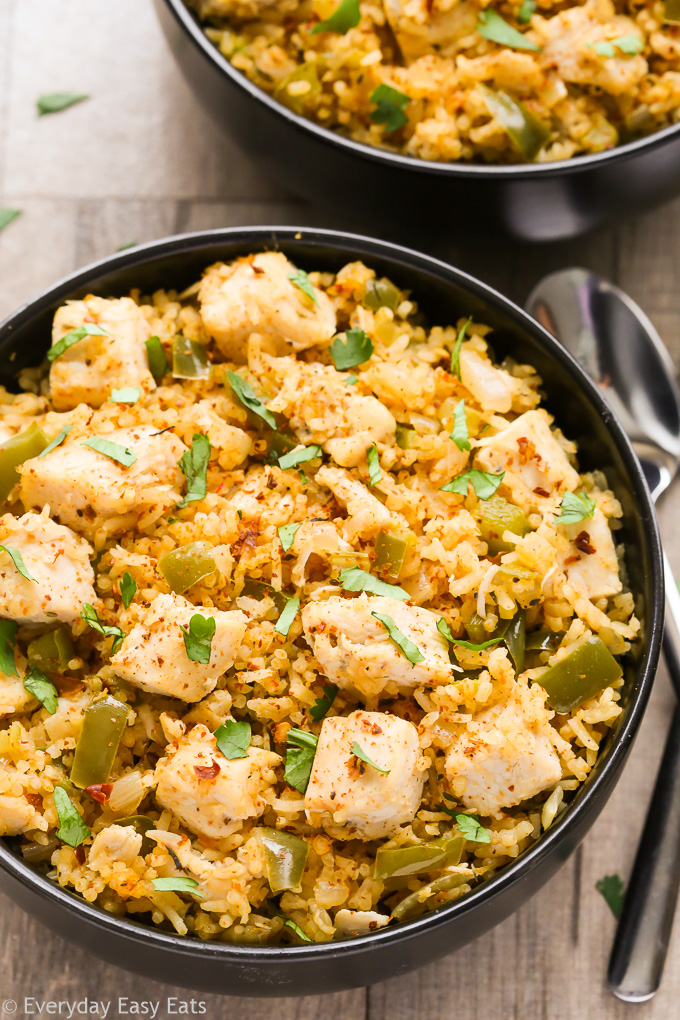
443 294
394 193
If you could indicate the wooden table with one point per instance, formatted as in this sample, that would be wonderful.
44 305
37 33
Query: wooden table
139 161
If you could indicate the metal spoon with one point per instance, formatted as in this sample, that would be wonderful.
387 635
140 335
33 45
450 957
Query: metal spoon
618 346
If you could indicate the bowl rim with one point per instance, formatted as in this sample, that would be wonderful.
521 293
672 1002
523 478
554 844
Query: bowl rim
370 153
353 246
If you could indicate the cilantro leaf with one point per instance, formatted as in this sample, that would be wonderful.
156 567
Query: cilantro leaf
287 534
356 579
344 17
233 739
18 561
128 587
362 756
8 216
629 44
87 329
57 441
8 635
491 26
176 883
355 349
460 434
471 828
445 631
321 706
289 923
373 458
89 615
245 393
351 380
128 244
54 102
37 684
194 465
158 362
121 454
455 353
482 482
526 11
612 889
300 280
126 395
72 829
575 507
198 638
603 49
300 751
299 456
390 106
290 611
411 651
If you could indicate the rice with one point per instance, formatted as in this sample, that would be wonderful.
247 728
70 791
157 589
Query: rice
495 83
338 424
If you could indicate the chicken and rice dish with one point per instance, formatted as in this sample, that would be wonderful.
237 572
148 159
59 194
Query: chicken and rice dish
475 80
308 621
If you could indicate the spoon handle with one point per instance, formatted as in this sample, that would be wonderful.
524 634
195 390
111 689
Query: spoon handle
644 931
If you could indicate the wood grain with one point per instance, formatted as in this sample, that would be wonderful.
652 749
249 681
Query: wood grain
138 161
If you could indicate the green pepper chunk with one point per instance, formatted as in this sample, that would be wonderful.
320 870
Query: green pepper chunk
497 516
254 589
285 858
405 436
671 11
542 641
189 359
298 100
103 725
36 853
580 675
432 855
187 565
141 824
417 902
15 451
527 133
390 555
381 294
515 640
340 561
478 633
51 652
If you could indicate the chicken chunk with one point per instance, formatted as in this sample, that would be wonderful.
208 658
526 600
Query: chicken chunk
58 562
505 755
315 541
14 698
89 490
492 387
68 719
367 515
569 47
351 799
355 651
153 655
17 816
535 465
231 444
209 792
87 371
423 27
595 572
256 295
114 843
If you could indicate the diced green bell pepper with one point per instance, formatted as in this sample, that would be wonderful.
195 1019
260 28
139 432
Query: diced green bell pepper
433 855
141 824
391 552
285 858
297 100
15 451
52 651
542 641
255 589
498 516
104 721
405 436
187 565
189 359
527 133
515 640
381 294
580 675
417 902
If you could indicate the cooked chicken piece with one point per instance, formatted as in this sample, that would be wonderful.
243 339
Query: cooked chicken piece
87 372
423 27
153 655
595 574
209 792
505 755
492 387
88 490
351 799
256 295
68 719
322 409
115 843
17 816
535 465
367 515
14 697
569 40
58 562
355 651
231 444
359 922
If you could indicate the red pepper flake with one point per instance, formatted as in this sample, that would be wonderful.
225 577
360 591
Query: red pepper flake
100 792
582 542
80 854
35 800
207 771
541 491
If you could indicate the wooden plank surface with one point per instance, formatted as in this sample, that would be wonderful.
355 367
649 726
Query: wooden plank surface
141 160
